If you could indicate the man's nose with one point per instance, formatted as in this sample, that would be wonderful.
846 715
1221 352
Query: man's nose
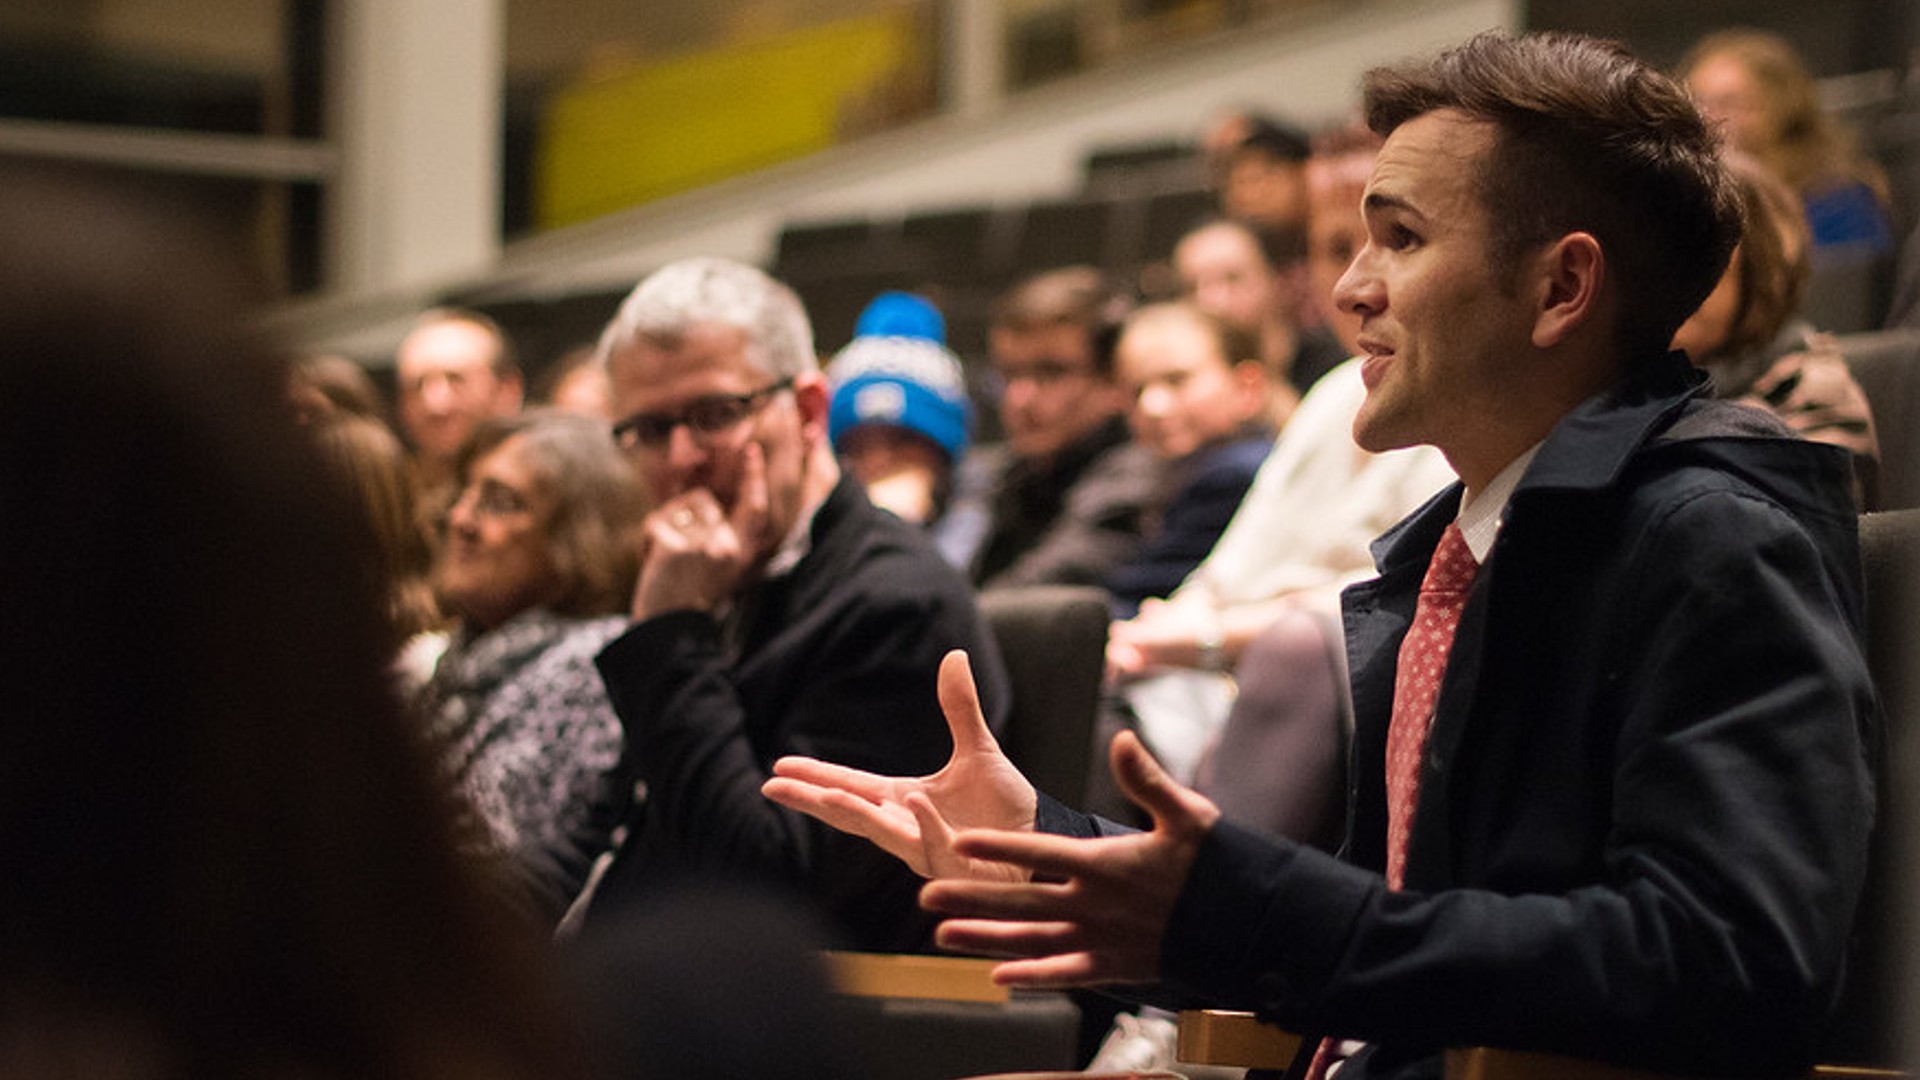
1153 401
1359 291
437 394
460 516
1210 297
684 452
1016 395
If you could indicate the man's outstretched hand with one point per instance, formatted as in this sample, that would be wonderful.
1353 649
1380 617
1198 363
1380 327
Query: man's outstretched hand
1079 911
915 818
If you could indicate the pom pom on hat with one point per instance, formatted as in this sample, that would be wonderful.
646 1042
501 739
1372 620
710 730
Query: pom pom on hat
899 314
897 370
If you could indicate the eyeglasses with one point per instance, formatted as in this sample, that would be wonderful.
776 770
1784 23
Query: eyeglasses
493 499
1039 372
707 419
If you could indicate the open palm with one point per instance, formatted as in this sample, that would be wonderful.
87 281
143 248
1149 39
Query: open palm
914 818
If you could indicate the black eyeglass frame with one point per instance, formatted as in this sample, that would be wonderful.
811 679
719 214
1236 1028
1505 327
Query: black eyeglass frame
705 418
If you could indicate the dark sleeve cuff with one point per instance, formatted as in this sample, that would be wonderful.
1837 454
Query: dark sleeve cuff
1051 816
643 664
1261 923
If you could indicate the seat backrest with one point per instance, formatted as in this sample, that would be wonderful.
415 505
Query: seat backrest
1890 560
1054 641
1065 232
1867 1026
1887 366
1849 290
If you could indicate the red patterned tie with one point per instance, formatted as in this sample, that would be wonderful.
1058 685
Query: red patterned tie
1416 683
1423 661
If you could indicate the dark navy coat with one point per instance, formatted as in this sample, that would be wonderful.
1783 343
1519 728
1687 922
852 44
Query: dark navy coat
1648 788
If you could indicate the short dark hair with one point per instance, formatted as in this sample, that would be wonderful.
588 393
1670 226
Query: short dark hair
1068 296
1591 139
1274 139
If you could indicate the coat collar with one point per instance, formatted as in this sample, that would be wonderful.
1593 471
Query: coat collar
1586 451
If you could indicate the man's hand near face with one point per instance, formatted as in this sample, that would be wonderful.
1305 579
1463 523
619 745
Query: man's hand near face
696 554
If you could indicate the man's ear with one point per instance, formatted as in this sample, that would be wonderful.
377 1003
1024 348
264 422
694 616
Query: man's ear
1574 273
811 394
511 395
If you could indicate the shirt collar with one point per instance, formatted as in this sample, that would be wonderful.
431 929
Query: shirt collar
796 546
1482 512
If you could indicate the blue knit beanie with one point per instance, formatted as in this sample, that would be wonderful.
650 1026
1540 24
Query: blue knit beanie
898 370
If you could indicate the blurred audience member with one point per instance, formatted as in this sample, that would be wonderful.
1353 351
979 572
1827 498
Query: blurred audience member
370 456
327 385
225 853
1336 178
1200 405
1225 130
1064 500
577 383
1750 337
536 566
899 417
1758 89
1225 270
1265 180
455 368
777 609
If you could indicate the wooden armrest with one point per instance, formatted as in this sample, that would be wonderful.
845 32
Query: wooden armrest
1487 1063
1236 1039
901 975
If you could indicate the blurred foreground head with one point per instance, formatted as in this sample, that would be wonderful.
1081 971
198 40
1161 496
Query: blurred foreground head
224 856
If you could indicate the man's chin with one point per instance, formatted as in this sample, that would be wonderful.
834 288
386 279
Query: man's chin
1376 437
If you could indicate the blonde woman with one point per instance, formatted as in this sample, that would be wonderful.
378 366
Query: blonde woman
1758 89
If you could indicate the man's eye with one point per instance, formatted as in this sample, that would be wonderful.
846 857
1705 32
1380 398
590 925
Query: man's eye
1401 238
712 416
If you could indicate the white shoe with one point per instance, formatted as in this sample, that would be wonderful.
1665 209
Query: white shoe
1136 1044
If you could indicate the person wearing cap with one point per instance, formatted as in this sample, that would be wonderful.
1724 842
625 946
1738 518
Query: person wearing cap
899 418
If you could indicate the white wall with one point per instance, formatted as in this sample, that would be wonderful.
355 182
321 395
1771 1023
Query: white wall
416 111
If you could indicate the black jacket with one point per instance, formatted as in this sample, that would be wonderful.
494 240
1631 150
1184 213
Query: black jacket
836 660
1647 792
